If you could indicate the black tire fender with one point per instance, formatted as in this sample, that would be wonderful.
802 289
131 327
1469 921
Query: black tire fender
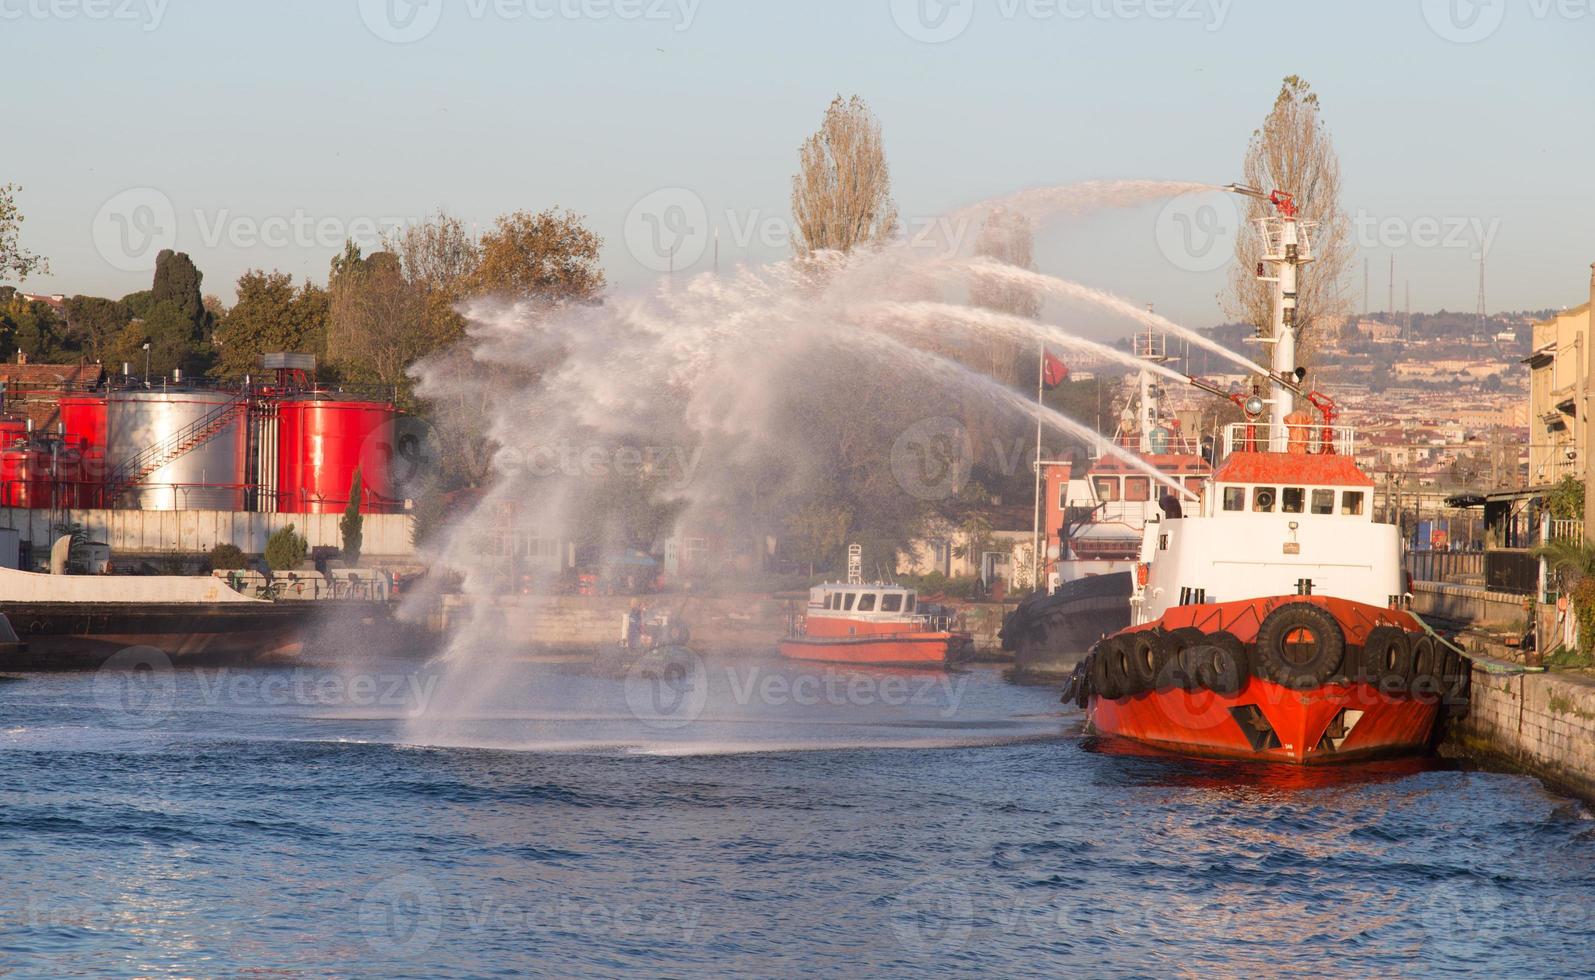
1178 672
1103 682
1223 665
1148 650
1386 660
1293 667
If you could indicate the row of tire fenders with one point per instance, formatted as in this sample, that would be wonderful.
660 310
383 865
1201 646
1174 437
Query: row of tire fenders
1299 646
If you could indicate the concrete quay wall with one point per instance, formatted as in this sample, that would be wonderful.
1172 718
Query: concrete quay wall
1541 723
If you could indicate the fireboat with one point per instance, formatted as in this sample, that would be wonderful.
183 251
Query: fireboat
1273 622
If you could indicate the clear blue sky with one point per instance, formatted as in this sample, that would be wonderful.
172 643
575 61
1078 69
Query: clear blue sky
247 111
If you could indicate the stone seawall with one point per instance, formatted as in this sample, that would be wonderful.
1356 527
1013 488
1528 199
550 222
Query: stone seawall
1544 723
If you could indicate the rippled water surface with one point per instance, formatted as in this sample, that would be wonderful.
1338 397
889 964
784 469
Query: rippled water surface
215 823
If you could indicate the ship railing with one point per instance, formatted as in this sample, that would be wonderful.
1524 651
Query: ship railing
1310 440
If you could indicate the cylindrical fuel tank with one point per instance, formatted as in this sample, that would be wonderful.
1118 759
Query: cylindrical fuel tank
207 470
321 442
24 478
83 423
11 431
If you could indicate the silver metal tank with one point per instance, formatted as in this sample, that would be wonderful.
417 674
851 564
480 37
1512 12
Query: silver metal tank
152 424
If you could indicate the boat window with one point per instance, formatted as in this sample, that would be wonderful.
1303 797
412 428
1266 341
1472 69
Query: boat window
1323 501
1351 502
1263 500
1234 498
847 604
1138 488
829 599
1293 500
910 605
892 602
866 602
1107 488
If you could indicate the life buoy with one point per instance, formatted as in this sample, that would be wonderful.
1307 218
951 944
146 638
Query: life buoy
1386 659
1178 671
1143 574
1299 646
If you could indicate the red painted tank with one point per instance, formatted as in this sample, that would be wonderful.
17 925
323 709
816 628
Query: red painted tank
319 445
84 422
24 478
12 430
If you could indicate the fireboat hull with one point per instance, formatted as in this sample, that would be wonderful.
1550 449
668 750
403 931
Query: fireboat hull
83 636
1270 723
937 649
1050 634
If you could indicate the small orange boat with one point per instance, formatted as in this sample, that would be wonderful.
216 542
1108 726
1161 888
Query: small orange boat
878 625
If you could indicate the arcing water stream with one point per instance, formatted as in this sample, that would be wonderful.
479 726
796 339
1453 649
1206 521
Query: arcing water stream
730 402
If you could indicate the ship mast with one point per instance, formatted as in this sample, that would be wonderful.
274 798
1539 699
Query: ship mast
1286 248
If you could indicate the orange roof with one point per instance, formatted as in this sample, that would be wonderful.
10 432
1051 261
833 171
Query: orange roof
1292 469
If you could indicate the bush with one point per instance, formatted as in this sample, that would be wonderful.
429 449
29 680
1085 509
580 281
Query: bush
227 558
286 550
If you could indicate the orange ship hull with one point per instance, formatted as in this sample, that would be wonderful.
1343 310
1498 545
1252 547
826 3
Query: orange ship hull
893 649
1268 722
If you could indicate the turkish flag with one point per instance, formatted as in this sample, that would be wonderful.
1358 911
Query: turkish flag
1053 371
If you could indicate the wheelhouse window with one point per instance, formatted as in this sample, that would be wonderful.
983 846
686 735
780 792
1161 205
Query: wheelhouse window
1351 502
1263 500
1107 488
830 600
1234 498
866 602
1293 500
892 602
1137 488
847 605
1323 501
909 606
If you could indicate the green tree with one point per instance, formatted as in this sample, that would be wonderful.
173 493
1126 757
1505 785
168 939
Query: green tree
550 258
33 327
286 550
227 558
350 526
178 281
1566 499
15 261
270 317
374 318
95 324
170 336
841 195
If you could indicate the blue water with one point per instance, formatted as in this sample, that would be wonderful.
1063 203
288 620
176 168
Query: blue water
219 823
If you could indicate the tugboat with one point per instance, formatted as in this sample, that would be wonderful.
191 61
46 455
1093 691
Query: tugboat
874 625
1273 623
1096 520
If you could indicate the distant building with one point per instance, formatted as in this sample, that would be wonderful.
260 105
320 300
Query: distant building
1556 386
1378 330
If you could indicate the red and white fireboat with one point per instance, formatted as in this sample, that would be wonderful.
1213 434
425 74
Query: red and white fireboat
874 625
1272 623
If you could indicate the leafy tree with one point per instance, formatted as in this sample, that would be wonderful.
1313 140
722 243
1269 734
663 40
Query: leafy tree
177 281
270 317
139 303
841 195
1573 564
817 533
350 525
285 549
374 318
549 258
95 324
227 558
170 336
33 327
1566 499
15 261
1293 152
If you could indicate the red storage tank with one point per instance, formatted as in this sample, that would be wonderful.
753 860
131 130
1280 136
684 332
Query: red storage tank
11 430
319 445
24 479
85 428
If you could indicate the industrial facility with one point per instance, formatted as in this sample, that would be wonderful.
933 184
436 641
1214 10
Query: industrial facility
280 444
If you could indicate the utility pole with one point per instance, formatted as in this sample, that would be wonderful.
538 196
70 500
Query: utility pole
1391 307
1035 537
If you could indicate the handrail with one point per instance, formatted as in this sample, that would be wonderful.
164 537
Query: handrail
1315 439
133 471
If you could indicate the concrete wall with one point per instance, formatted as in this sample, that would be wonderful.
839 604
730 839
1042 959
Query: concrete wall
1467 603
133 532
1544 723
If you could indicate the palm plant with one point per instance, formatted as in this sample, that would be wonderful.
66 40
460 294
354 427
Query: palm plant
1573 565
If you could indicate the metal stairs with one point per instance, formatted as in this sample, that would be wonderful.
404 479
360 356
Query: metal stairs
185 440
